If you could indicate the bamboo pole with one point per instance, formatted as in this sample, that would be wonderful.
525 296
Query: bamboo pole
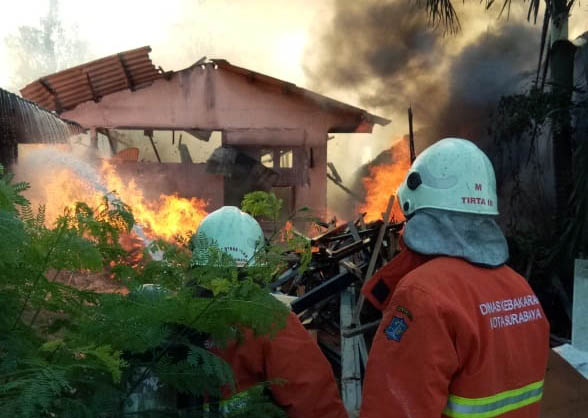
374 258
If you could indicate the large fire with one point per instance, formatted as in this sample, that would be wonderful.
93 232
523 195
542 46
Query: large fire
168 218
383 181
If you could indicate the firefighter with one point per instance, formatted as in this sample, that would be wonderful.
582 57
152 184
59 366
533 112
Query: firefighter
308 388
462 335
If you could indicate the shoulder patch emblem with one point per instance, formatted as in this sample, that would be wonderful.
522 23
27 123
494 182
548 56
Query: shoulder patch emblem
405 311
396 329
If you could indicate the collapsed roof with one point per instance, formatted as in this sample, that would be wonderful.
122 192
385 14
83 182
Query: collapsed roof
133 70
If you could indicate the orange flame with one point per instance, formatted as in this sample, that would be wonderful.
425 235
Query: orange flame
384 180
288 226
62 190
168 218
286 231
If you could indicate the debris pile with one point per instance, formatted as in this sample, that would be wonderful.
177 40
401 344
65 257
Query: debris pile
343 258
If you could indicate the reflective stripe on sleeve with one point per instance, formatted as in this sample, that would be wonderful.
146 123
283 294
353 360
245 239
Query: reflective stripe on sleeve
495 405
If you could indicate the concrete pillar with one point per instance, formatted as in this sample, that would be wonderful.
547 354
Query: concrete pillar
314 194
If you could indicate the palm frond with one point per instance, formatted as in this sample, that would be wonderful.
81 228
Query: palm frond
544 32
441 14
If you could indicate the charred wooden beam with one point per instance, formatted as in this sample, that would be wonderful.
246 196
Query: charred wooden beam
411 136
285 277
149 133
330 288
348 249
92 89
374 258
362 233
345 189
335 173
352 331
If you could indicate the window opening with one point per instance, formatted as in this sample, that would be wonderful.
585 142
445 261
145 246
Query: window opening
267 159
286 159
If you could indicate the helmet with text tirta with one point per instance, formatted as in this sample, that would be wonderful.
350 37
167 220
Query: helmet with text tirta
453 175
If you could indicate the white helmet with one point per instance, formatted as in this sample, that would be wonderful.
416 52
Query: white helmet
230 231
452 174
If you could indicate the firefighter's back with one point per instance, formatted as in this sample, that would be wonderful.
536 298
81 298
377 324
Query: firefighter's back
500 335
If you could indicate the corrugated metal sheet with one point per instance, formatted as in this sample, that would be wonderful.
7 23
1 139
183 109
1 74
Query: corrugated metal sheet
22 121
91 81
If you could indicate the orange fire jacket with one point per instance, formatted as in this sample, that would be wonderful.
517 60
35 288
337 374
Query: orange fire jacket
456 340
308 390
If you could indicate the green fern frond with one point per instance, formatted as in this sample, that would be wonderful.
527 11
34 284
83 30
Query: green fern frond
32 393
254 402
111 359
26 213
41 215
213 367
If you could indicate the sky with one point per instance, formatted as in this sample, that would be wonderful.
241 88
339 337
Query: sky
270 36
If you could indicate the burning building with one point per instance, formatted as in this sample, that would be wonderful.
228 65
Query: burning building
273 134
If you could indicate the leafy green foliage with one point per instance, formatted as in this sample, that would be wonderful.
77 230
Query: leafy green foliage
284 240
262 204
252 403
187 375
66 352
543 241
270 260
574 240
518 124
523 114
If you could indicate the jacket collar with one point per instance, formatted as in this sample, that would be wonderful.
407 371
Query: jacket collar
379 289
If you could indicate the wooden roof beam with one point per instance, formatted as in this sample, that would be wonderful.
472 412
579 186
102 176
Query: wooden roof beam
92 89
52 92
127 73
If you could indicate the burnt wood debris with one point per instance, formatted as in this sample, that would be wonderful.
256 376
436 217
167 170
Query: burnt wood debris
343 258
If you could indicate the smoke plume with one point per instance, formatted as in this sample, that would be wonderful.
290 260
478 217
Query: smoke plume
386 52
391 58
495 64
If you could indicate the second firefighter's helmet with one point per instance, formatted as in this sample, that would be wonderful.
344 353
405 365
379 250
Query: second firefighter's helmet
228 231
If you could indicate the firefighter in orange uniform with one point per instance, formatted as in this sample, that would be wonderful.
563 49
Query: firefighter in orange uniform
462 334
309 389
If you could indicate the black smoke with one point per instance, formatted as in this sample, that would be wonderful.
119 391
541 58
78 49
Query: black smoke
388 54
384 51
496 64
